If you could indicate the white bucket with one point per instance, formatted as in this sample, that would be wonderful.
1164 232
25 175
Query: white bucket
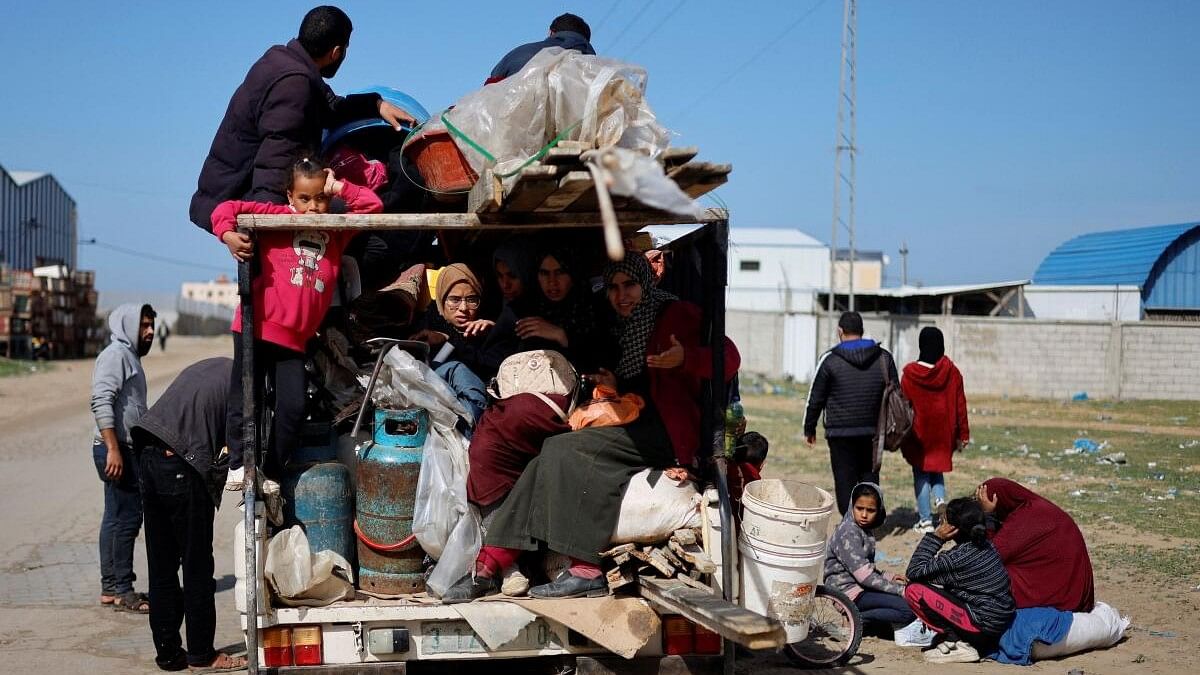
786 513
781 585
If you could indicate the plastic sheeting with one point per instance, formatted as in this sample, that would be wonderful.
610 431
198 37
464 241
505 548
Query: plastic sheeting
559 93
301 578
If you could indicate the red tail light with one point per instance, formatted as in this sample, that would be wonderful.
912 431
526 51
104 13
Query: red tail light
306 645
677 636
277 646
706 641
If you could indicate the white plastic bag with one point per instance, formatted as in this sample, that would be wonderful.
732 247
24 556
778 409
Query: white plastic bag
635 175
405 382
1099 628
302 579
446 526
654 506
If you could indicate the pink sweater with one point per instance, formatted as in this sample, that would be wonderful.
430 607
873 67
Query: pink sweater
295 286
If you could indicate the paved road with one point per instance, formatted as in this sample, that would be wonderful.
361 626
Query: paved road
51 501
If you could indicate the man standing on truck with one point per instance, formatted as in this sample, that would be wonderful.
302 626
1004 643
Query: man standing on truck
118 403
178 444
848 387
567 31
279 112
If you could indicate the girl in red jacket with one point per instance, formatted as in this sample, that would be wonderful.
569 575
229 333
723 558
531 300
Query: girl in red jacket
935 387
292 291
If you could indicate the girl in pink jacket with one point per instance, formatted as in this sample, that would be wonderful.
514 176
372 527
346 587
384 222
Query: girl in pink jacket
292 292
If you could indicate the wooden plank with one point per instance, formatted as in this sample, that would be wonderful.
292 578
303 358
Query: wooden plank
697 172
659 562
622 625
578 146
684 537
702 607
618 550
562 155
697 190
569 188
465 221
532 187
619 578
671 557
676 156
694 556
694 583
486 195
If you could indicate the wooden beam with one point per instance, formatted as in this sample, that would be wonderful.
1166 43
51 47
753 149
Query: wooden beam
704 608
676 156
1001 302
486 195
531 188
465 221
569 189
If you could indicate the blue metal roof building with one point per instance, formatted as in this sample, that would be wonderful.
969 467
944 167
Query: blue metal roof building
1164 261
38 221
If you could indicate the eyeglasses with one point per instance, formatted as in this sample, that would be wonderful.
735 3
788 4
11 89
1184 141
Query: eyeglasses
453 301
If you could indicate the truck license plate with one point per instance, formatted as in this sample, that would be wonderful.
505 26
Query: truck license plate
457 637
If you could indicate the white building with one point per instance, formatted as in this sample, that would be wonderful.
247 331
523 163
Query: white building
220 291
1119 302
775 270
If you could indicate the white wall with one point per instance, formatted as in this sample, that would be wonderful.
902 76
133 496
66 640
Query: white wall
1085 303
788 272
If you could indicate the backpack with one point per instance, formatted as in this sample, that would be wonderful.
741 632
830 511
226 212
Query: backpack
538 372
895 416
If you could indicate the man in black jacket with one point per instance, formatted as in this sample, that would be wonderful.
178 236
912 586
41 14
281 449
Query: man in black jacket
279 112
849 387
567 31
177 443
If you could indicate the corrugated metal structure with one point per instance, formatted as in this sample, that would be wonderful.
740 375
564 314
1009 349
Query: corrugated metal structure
38 222
1163 261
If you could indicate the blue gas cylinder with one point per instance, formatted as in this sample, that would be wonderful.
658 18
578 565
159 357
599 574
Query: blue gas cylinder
389 558
320 498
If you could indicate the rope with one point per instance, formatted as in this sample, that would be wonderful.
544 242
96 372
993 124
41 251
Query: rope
404 543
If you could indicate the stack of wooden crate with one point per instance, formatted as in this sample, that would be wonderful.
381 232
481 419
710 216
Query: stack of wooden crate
52 306
16 289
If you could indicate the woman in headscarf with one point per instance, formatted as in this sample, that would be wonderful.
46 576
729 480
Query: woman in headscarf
558 313
1041 546
462 347
569 496
514 267
935 387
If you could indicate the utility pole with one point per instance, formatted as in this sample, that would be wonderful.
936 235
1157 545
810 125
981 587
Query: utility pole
845 145
904 263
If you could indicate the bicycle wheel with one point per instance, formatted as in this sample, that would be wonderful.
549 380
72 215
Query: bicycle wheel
834 631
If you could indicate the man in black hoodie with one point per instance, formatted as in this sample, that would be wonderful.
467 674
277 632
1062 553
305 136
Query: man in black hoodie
848 387
279 112
567 31
178 443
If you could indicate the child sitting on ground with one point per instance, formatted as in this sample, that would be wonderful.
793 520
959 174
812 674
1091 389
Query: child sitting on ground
964 594
850 561
292 292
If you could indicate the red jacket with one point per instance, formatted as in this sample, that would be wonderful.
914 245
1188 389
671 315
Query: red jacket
677 392
940 415
299 269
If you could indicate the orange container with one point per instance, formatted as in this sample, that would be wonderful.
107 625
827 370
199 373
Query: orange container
441 164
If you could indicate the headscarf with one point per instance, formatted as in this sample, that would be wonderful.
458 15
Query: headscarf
633 332
1042 549
448 278
515 253
866 488
574 313
932 345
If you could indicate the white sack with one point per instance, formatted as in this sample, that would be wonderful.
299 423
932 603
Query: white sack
654 506
1102 627
302 579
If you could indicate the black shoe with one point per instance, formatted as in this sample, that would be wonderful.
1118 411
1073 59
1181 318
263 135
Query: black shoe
470 587
172 663
568 585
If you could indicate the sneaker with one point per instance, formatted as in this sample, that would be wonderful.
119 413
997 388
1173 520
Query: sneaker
915 634
923 527
515 584
951 652
234 479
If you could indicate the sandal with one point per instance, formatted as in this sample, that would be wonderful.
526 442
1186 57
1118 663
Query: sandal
221 663
136 603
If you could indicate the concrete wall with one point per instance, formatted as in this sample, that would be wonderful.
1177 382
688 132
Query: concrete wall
1001 356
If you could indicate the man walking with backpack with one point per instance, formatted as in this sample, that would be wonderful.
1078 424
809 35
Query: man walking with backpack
849 387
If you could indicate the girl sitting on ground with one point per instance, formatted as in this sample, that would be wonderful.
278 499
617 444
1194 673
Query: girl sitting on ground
291 295
850 561
963 594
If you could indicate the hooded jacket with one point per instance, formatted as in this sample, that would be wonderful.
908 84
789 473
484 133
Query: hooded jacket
189 420
278 112
849 386
939 415
118 381
516 59
850 556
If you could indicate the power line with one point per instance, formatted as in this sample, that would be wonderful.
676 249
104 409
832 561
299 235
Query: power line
611 8
150 256
654 31
613 45
750 61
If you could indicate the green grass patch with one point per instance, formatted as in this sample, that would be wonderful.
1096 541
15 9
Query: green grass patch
1170 564
11 367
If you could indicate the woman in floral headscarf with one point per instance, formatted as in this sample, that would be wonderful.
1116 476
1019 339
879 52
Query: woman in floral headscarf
569 496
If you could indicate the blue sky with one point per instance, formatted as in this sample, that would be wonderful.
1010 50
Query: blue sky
989 132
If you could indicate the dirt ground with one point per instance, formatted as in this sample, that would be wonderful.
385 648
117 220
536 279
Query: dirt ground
1145 560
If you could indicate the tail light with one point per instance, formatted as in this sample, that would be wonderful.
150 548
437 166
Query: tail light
277 646
306 645
681 636
677 636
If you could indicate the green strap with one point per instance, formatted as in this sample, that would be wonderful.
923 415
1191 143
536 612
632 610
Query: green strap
491 158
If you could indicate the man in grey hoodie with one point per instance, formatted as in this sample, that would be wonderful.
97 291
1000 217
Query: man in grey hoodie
118 402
